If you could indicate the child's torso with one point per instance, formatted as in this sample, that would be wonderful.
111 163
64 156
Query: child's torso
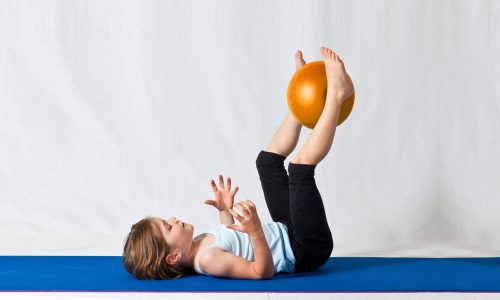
219 239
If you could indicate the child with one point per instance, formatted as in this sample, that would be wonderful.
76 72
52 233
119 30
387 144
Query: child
299 239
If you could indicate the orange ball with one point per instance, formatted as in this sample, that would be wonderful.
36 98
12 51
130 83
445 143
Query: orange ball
307 95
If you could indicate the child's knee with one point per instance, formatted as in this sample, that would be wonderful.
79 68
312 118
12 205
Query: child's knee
300 160
303 170
269 159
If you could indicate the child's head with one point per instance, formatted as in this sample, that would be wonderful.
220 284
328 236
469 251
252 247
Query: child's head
155 248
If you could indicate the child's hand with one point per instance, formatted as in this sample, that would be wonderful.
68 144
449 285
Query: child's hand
249 219
224 197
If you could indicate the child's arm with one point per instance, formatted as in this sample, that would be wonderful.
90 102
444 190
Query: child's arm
225 217
225 264
224 199
263 265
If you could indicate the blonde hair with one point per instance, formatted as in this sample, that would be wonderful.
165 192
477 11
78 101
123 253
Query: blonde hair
145 252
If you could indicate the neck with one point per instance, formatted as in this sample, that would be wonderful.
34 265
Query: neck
195 247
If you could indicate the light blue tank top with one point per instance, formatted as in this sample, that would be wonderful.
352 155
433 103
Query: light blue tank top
240 244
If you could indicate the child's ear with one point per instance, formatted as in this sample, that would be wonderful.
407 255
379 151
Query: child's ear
173 258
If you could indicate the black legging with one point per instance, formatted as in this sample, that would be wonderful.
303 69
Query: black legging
295 201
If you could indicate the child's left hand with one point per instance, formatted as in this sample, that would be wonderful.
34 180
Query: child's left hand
248 218
224 197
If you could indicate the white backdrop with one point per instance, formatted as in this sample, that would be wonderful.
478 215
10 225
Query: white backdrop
114 110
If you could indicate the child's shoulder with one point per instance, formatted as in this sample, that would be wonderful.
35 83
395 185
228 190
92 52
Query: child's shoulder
209 255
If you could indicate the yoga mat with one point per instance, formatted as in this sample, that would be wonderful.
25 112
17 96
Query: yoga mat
340 274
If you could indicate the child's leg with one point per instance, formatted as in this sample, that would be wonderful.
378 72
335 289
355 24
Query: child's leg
270 164
339 89
286 137
274 180
310 225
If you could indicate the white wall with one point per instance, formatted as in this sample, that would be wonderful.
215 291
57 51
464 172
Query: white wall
114 110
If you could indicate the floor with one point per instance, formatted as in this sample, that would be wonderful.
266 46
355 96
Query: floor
253 296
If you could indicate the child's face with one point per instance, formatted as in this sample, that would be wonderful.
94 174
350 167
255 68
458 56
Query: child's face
178 235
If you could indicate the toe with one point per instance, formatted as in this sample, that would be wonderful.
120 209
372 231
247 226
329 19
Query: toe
298 55
299 60
328 53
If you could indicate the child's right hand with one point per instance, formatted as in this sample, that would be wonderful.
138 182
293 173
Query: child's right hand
248 218
224 197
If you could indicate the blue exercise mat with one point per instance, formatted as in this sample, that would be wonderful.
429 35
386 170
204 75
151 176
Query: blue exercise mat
340 274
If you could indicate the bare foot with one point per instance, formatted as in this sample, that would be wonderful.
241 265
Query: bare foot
299 60
299 63
340 85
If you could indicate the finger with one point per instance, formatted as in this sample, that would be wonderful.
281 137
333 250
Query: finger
214 187
228 184
249 202
241 207
235 215
221 182
234 227
210 202
246 206
235 191
251 205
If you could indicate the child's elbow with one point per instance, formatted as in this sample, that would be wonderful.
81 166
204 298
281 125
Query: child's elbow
263 273
266 275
